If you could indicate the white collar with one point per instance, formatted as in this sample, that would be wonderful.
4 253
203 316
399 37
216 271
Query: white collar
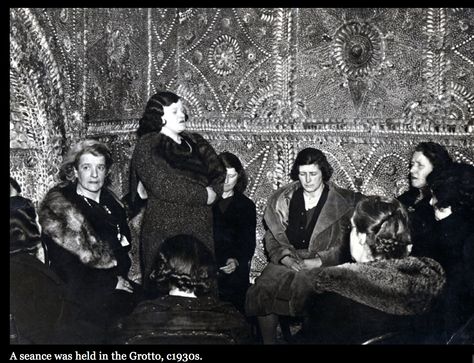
177 292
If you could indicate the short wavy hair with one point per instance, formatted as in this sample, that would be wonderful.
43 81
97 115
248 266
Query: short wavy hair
386 223
152 121
185 262
232 161
454 187
310 156
71 160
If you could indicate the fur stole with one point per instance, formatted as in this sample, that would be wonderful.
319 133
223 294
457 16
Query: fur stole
204 163
405 286
65 224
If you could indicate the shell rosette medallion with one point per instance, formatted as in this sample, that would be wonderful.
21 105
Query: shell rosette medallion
224 55
357 49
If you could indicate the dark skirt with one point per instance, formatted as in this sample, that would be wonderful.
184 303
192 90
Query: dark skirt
278 290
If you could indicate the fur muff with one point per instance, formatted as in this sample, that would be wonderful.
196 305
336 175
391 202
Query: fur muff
64 223
405 286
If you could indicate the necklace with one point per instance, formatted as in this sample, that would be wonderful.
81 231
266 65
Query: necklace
108 211
187 143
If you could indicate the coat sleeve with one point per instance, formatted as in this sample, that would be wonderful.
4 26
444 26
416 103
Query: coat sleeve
276 219
216 169
339 252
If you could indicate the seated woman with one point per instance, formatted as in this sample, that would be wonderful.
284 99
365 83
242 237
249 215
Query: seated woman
376 294
235 222
452 245
185 316
87 235
428 158
308 224
40 312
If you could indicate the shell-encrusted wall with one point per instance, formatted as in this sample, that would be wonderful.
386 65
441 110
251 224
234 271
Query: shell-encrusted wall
363 85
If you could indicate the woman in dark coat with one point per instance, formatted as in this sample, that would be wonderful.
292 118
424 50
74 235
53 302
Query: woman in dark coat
453 244
428 158
308 226
235 222
377 294
40 310
87 235
181 174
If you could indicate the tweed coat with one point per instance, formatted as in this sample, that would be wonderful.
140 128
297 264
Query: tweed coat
176 186
330 236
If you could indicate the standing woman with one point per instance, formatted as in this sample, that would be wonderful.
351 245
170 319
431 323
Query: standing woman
429 157
181 174
235 222
87 235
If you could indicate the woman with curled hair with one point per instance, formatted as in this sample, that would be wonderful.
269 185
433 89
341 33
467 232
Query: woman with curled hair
186 314
428 159
87 234
180 174
386 226
452 245
184 267
379 292
308 224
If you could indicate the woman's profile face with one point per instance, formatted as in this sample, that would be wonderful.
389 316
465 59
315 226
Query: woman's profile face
231 179
359 249
90 172
310 177
421 167
175 117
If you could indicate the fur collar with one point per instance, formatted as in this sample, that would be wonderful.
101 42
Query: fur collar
203 161
65 224
399 286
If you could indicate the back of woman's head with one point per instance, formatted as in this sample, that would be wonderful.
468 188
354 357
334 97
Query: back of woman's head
310 156
185 262
454 187
25 234
151 119
385 222
232 161
87 146
436 154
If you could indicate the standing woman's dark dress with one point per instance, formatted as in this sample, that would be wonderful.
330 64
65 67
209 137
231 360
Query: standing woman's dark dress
235 222
83 239
175 179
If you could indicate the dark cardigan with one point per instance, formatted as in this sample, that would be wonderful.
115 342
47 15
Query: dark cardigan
234 236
